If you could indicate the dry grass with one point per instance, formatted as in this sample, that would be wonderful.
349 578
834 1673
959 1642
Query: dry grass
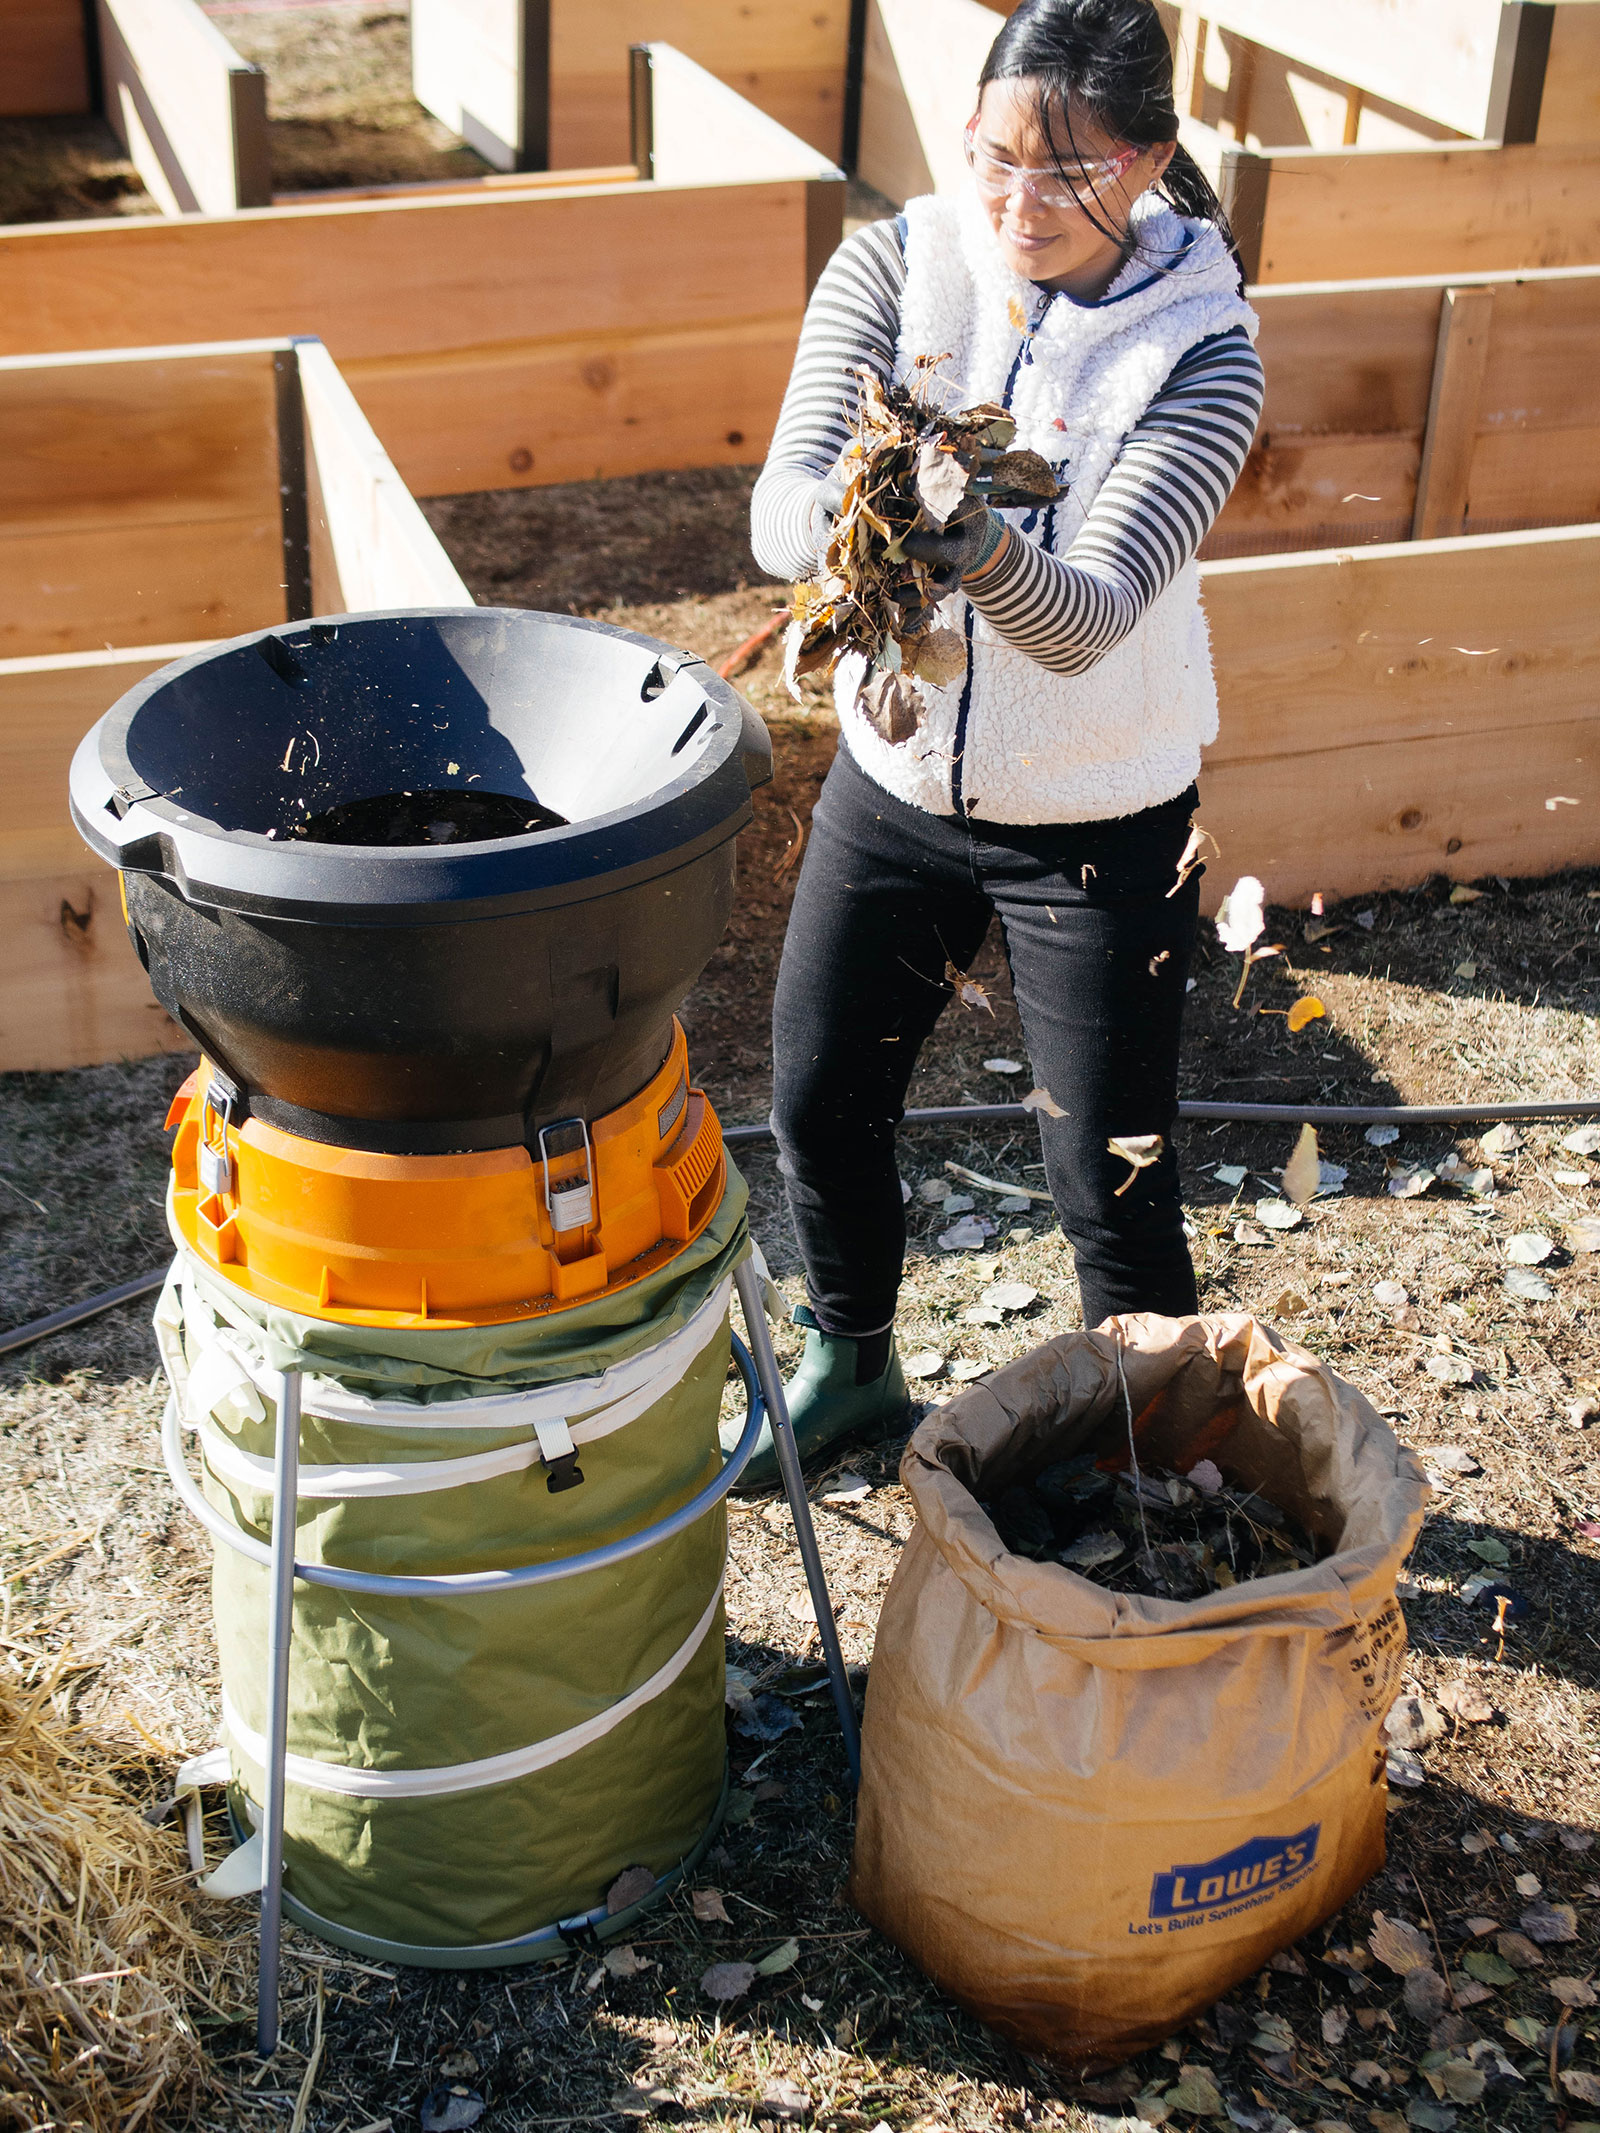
102 1963
66 170
852 2022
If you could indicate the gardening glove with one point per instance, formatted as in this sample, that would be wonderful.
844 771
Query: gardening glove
964 546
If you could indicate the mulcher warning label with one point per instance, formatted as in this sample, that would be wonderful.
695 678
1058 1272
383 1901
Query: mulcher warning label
1240 1880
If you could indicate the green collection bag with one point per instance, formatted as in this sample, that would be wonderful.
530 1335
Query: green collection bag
468 1772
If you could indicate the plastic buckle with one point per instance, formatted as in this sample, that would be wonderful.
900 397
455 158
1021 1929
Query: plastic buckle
563 1473
579 1932
569 1198
560 1456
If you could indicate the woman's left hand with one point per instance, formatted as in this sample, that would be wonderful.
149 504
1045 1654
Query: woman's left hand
963 549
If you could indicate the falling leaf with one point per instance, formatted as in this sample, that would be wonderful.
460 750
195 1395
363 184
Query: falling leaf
1487 1968
1397 1944
1138 1149
1461 894
1305 1010
1391 1294
1550 1923
1381 1136
926 1363
728 1981
709 1907
968 991
1003 1066
1528 1248
1278 1214
783 1957
1527 1286
1042 1100
1090 1550
786 2100
631 1886
1193 855
1302 1174
1242 916
847 1488
625 1962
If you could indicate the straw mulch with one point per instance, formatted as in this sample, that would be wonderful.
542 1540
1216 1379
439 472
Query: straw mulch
100 1958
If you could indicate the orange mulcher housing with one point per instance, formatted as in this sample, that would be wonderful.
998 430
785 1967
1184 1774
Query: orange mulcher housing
442 1240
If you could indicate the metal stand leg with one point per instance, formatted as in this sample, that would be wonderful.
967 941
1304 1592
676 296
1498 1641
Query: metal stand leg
794 1488
286 1483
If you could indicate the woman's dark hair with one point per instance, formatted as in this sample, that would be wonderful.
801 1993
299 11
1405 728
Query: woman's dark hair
1109 60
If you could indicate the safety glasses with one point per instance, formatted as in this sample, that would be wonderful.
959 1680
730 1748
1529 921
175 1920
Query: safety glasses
1050 188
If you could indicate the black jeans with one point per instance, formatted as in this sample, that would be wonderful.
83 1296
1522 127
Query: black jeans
1099 954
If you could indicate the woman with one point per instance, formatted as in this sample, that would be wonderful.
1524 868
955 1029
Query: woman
1086 279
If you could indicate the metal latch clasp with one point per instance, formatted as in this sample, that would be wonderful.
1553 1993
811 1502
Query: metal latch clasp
215 1162
570 1194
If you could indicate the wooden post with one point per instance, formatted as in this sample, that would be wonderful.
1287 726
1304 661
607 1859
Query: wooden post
1246 176
1516 88
292 485
1444 480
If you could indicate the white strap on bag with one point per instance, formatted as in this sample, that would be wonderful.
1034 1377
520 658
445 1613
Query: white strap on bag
318 1776
635 1385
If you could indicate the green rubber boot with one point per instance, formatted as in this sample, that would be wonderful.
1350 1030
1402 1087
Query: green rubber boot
827 1404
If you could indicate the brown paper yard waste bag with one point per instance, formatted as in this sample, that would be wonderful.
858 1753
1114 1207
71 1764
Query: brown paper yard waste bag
1086 1814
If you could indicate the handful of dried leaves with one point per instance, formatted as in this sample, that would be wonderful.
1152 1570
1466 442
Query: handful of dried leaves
912 467
1168 1536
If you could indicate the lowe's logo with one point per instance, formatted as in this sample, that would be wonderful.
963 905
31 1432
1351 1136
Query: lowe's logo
1246 1875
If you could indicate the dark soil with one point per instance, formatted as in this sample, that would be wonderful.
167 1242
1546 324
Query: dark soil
1425 998
66 170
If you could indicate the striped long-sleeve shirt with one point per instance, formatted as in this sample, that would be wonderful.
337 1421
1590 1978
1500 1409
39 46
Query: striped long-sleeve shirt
1155 507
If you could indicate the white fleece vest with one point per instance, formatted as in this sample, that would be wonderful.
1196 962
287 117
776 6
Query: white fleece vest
1012 741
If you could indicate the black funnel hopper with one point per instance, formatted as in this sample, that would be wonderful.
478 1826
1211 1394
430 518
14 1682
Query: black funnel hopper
425 881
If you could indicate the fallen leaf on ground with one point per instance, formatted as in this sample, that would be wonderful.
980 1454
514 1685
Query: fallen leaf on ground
1206 1477
728 1981
957 1203
450 2109
1404 1769
1431 2117
1368 2074
1490 1551
1010 1296
926 1363
982 1315
1583 1235
1461 894
1466 1701
786 2100
1335 2021
800 1607
1278 1214
1413 1722
1518 1950
1449 1369
1090 1550
1307 1009
1247 1233
631 1886
709 1907
1391 1294
625 1962
1195 2091
1274 2033
847 1488
1573 1991
640 2101
1528 1885
1585 2087
1576 1840
966 1370
1463 2082
1397 1944
1487 1968
968 1235
1528 1248
1550 1924
1002 1066
1466 968
1381 1136
1527 1286
783 1957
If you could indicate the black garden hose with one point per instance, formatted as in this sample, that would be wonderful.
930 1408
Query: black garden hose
1242 1114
